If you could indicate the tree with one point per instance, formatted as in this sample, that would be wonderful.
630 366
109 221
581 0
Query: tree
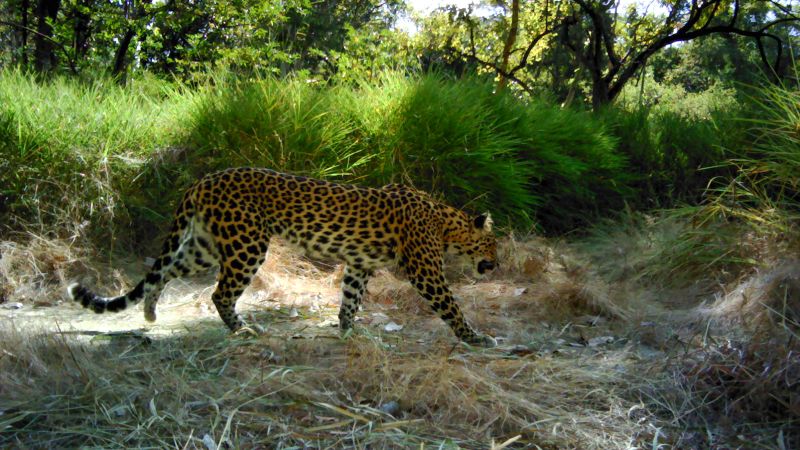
611 67
15 23
44 50
182 37
474 34
511 38
563 43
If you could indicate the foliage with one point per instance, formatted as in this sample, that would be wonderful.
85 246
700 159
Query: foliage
185 37
369 52
580 51
675 141
761 190
747 215
589 50
102 146
705 64
66 145
486 150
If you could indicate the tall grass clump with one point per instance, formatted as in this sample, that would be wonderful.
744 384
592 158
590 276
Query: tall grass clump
429 133
524 161
768 175
670 249
282 124
742 202
675 142
118 157
759 200
579 171
559 164
67 147
455 137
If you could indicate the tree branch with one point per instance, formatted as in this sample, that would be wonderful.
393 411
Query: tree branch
492 66
72 66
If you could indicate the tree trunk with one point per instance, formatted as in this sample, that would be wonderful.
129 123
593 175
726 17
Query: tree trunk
81 29
509 45
120 58
45 57
25 7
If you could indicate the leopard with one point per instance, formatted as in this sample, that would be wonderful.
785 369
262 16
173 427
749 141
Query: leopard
227 219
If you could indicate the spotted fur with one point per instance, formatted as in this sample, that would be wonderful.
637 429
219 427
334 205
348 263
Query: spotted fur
227 218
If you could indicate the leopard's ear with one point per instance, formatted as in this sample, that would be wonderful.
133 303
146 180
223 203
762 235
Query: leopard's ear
484 222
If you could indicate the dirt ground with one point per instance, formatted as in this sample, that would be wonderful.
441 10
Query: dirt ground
577 365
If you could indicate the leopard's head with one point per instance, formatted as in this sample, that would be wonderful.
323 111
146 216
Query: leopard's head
475 239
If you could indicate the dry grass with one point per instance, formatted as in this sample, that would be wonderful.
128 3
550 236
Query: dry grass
300 385
29 271
763 301
59 392
718 392
573 370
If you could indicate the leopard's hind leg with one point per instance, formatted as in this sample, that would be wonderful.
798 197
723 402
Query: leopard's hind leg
196 253
354 285
240 254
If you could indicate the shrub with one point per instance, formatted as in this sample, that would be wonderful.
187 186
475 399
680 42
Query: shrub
67 146
74 151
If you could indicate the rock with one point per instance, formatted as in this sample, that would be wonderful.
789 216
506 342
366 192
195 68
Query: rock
391 408
13 305
391 327
208 441
600 340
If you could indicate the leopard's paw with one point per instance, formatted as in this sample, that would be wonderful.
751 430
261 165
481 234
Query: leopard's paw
251 330
482 340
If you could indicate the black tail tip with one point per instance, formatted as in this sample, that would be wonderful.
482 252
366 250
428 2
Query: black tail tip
80 294
76 291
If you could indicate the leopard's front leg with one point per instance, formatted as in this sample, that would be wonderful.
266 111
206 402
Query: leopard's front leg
427 276
435 290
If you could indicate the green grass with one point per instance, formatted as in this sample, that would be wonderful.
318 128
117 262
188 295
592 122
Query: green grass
97 159
673 156
671 249
66 145
119 156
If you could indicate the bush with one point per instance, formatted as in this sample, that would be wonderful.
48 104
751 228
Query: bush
674 151
67 147
478 148
75 151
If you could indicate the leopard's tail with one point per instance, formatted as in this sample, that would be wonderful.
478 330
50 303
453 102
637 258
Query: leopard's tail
99 304
173 253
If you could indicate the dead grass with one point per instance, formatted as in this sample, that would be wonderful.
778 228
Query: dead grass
28 270
300 385
764 301
720 392
61 392
575 368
